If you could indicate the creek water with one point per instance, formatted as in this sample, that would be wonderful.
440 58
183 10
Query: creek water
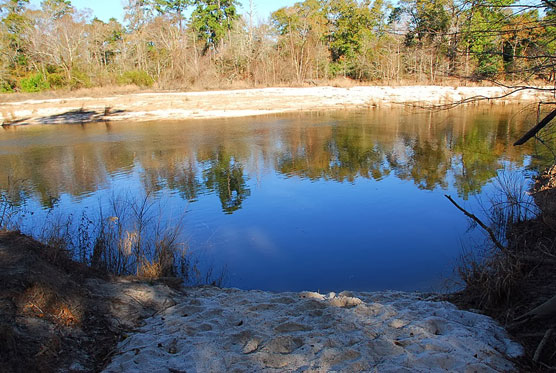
314 201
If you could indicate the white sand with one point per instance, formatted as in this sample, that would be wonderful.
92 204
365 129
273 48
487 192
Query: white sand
234 103
228 330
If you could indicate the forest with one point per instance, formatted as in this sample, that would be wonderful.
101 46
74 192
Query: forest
207 44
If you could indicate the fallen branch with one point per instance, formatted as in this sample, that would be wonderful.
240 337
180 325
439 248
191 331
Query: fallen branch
541 345
533 131
479 222
544 310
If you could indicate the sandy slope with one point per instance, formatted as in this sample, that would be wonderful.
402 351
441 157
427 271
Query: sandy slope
217 104
228 330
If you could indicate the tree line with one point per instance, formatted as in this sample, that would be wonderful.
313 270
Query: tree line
180 44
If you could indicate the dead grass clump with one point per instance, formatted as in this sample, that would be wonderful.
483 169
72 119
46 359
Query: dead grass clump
149 270
491 282
343 82
164 264
43 302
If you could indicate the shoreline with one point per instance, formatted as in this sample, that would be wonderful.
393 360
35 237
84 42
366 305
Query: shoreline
249 102
63 306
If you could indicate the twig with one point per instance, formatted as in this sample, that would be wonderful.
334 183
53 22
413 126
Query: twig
37 307
543 343
547 366
478 221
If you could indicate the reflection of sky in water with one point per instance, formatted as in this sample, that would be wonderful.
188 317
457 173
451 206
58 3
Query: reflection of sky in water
279 202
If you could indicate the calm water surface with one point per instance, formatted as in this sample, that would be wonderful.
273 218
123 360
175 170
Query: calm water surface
291 202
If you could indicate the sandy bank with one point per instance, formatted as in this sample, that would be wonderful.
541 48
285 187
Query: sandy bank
220 104
229 330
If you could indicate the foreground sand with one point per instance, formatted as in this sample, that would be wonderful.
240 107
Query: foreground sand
220 104
229 330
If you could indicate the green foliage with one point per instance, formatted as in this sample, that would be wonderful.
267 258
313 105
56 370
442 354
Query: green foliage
173 7
13 6
38 82
5 87
486 46
347 28
489 61
138 77
212 19
350 24
34 83
163 6
300 19
428 19
56 80
57 8
15 22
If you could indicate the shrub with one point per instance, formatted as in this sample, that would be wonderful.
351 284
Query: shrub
138 77
5 87
56 80
34 83
80 80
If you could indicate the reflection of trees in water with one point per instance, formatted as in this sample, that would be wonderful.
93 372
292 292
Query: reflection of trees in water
225 176
345 153
354 152
176 170
426 149
427 163
49 172
481 151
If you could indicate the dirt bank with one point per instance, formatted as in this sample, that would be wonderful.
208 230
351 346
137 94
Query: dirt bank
219 104
57 315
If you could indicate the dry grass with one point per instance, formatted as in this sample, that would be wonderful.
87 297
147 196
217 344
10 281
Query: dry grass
492 274
506 283
491 280
43 302
67 93
129 237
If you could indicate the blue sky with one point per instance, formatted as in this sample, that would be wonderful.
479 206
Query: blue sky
105 9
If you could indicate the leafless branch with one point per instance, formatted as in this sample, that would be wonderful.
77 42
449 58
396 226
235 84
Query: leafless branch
479 222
